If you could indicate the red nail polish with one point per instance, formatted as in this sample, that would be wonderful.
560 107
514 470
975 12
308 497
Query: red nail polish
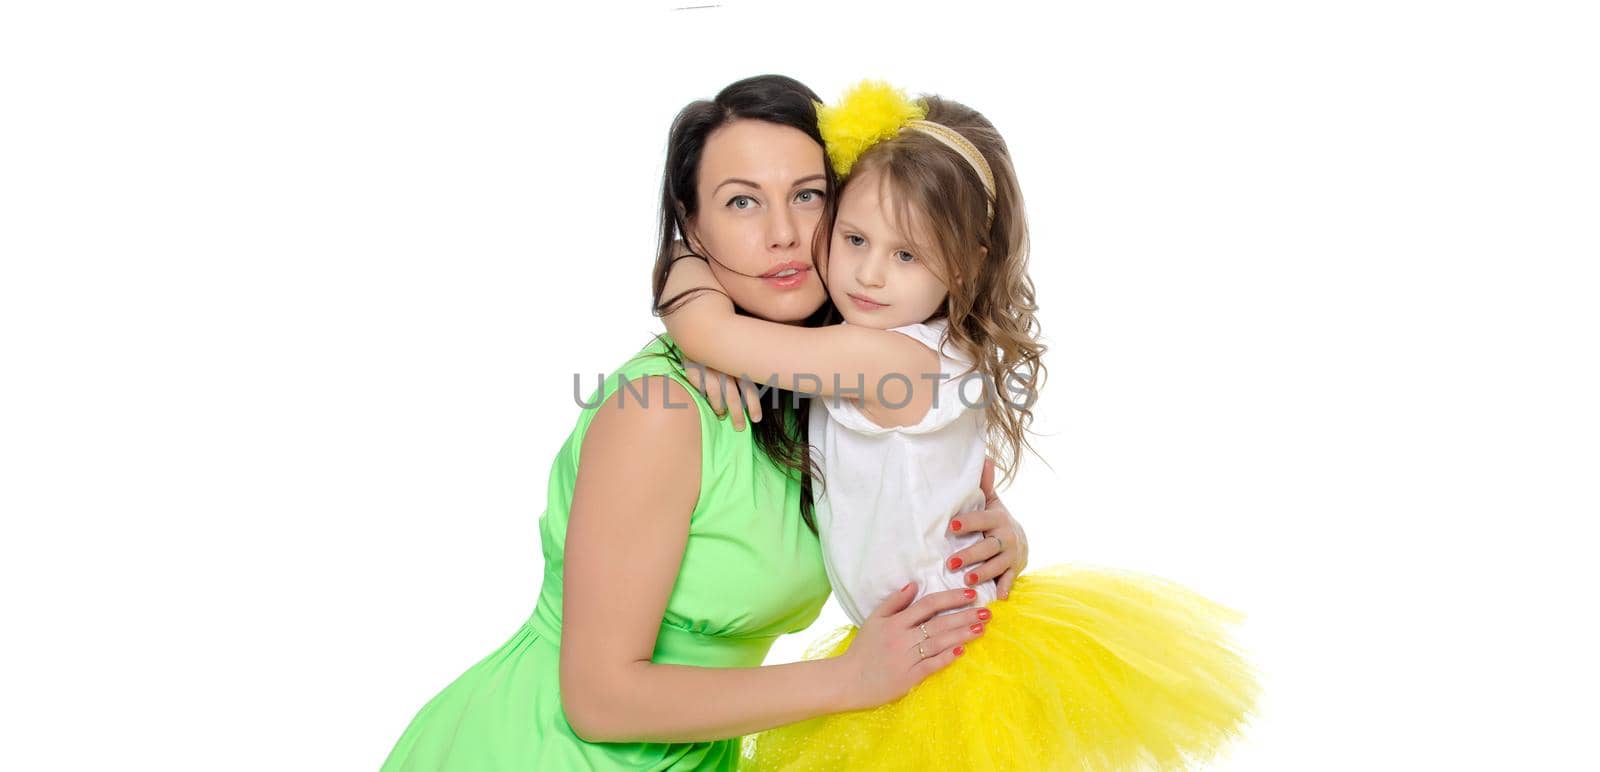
983 615
972 578
976 629
959 650
955 525
955 563
969 593
907 587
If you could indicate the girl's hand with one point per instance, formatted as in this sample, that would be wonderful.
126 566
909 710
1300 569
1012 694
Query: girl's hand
1003 553
897 646
689 272
716 386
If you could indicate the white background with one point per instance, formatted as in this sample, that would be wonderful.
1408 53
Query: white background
292 296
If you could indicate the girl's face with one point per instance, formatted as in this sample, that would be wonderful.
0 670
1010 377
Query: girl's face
761 188
879 273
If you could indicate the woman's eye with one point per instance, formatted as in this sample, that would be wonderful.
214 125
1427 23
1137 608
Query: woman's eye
808 196
741 202
905 257
854 240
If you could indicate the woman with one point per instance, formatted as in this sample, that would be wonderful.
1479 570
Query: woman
678 548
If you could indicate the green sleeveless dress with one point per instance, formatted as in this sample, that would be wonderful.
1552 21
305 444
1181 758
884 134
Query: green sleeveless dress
751 571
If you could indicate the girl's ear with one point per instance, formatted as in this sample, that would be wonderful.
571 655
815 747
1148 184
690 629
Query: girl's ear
983 254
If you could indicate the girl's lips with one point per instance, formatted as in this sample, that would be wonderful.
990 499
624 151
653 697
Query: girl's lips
865 304
788 282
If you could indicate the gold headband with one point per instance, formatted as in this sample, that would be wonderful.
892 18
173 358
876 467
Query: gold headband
952 139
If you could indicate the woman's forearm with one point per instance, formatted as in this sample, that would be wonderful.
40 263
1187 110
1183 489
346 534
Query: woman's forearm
636 490
648 702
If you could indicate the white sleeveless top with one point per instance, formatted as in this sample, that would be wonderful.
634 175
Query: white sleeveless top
884 513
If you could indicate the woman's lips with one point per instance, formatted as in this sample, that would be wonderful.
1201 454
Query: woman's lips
788 282
866 304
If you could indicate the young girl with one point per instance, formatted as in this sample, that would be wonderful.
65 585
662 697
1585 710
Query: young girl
932 371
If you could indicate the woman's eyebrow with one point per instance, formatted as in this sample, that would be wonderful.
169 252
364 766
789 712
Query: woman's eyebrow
734 181
812 178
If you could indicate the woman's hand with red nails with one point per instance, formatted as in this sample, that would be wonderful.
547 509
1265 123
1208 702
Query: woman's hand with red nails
884 662
1003 553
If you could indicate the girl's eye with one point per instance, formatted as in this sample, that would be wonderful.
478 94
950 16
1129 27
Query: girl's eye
854 240
905 257
741 202
808 196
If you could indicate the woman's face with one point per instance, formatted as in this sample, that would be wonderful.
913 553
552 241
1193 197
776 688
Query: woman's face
761 188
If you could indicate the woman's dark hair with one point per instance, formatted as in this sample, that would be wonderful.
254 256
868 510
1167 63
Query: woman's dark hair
782 434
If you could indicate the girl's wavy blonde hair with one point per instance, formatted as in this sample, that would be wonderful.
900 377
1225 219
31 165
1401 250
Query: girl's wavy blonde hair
984 262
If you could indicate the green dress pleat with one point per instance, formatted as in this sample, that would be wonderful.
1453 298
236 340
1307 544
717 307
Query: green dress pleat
751 571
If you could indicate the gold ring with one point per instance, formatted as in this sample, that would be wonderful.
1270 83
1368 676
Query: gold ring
924 628
920 652
999 541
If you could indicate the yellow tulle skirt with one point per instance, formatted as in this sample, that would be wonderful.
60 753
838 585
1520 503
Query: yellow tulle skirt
1080 669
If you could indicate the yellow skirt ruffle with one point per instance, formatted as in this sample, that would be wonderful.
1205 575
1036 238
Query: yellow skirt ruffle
1080 669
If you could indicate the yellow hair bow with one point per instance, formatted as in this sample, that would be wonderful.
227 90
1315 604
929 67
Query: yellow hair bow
873 111
868 113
